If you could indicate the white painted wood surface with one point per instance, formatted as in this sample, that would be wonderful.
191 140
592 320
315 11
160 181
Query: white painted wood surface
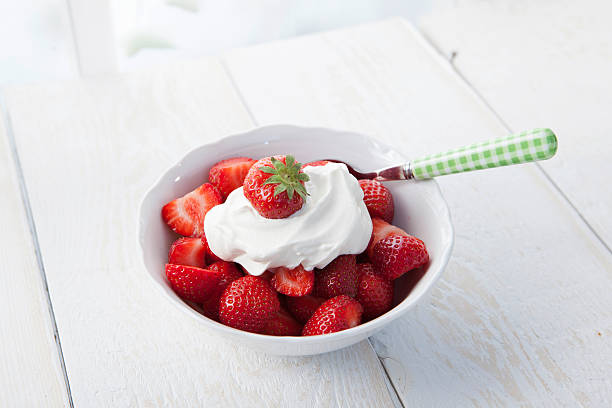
543 64
524 313
522 316
88 157
30 370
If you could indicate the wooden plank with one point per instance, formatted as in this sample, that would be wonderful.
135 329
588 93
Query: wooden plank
522 314
30 368
92 150
543 64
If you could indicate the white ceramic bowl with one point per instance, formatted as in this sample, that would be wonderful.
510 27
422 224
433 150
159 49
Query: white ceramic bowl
420 209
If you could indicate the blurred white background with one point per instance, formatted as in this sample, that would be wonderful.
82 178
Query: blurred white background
44 39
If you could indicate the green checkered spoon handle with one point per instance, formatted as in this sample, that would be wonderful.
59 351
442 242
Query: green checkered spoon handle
528 146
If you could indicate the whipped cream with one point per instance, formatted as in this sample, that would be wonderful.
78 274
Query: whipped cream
333 221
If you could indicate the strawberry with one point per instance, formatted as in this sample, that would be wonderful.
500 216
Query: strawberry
185 215
293 282
303 307
247 303
375 292
282 324
338 278
229 174
362 257
227 272
210 257
398 254
316 163
336 314
271 186
187 251
267 275
381 229
191 283
378 199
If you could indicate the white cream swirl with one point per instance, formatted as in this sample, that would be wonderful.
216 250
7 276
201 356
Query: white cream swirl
333 221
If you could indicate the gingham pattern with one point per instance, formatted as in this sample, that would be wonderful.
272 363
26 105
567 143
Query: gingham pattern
532 145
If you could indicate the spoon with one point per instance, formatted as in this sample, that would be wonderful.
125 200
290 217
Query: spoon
524 147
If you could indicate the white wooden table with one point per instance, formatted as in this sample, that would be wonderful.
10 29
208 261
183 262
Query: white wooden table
522 316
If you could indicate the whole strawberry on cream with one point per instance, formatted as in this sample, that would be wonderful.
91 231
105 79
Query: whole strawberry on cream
322 209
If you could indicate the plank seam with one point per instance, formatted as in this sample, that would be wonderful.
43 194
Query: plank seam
238 91
451 62
393 394
32 228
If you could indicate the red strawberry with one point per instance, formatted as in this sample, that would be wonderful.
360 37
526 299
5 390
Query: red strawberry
336 314
397 254
378 199
210 257
229 174
316 163
293 282
303 307
191 283
227 272
362 257
375 292
338 278
185 215
267 275
247 303
381 229
210 307
275 186
187 251
282 324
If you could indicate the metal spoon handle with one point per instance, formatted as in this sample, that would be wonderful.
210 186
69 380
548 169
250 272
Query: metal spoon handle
528 146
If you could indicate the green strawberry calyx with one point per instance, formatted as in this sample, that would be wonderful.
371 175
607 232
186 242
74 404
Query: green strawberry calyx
287 176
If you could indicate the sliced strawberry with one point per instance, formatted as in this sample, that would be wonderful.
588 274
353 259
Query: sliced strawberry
381 229
210 257
378 199
316 163
227 273
187 251
336 314
185 215
338 278
247 304
282 324
375 292
210 307
303 307
191 283
398 254
275 186
229 174
267 275
293 282
362 258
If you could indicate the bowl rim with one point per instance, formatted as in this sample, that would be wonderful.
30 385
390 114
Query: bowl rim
368 327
